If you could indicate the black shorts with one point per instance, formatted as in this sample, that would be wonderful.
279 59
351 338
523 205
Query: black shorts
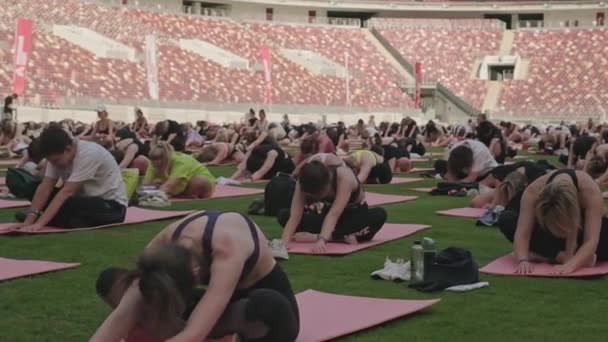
391 152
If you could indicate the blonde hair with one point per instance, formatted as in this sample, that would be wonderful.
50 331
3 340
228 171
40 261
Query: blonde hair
513 183
558 210
162 150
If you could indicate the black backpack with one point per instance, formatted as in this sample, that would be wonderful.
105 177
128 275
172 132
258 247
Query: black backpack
451 267
21 183
278 194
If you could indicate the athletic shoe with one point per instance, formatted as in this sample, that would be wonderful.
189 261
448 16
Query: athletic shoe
279 251
401 271
393 270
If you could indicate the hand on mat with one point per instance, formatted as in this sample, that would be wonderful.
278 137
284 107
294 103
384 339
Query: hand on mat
319 247
16 226
31 228
524 267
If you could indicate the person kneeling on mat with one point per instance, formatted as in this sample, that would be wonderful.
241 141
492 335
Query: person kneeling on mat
345 216
93 193
370 166
178 174
560 220
247 293
469 161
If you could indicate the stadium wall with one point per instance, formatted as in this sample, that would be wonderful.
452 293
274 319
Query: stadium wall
218 115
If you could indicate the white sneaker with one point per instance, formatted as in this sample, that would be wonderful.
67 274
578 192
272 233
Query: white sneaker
398 270
401 271
279 250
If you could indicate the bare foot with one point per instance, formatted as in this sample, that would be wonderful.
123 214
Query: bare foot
305 237
591 261
351 240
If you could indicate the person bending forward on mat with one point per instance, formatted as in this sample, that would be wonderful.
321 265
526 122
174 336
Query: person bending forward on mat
370 166
93 193
344 216
560 220
178 174
247 292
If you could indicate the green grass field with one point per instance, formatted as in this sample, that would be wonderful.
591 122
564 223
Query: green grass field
62 306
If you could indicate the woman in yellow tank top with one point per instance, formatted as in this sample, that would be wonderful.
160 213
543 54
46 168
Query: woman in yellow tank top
369 166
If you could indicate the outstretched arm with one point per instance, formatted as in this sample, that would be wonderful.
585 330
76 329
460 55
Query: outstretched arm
120 322
295 215
523 232
271 157
343 193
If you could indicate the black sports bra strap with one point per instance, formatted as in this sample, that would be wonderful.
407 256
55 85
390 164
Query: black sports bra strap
185 223
208 234
253 259
570 172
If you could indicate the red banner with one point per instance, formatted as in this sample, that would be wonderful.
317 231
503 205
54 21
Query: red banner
266 56
418 93
23 48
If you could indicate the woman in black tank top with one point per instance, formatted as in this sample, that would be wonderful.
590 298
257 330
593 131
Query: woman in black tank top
263 161
560 220
129 152
339 212
246 292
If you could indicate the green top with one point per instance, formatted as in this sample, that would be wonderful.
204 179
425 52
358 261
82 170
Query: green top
181 166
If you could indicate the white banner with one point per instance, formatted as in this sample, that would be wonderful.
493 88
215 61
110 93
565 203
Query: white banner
152 67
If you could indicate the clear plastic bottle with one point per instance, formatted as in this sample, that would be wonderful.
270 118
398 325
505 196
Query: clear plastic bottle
417 262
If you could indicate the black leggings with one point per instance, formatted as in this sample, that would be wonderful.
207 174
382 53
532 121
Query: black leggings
543 243
86 211
268 308
353 220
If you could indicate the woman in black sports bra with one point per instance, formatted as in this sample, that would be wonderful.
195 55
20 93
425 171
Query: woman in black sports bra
344 216
129 152
560 220
246 292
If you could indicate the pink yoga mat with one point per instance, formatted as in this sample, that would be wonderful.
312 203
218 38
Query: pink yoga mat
2 180
373 198
422 189
463 212
506 266
222 191
401 180
140 335
325 316
389 232
6 204
9 162
422 169
420 160
605 195
134 215
12 268
404 180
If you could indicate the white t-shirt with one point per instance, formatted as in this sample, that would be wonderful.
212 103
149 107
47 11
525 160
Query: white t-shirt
482 157
95 167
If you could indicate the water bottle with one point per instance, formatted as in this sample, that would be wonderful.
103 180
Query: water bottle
428 245
417 262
